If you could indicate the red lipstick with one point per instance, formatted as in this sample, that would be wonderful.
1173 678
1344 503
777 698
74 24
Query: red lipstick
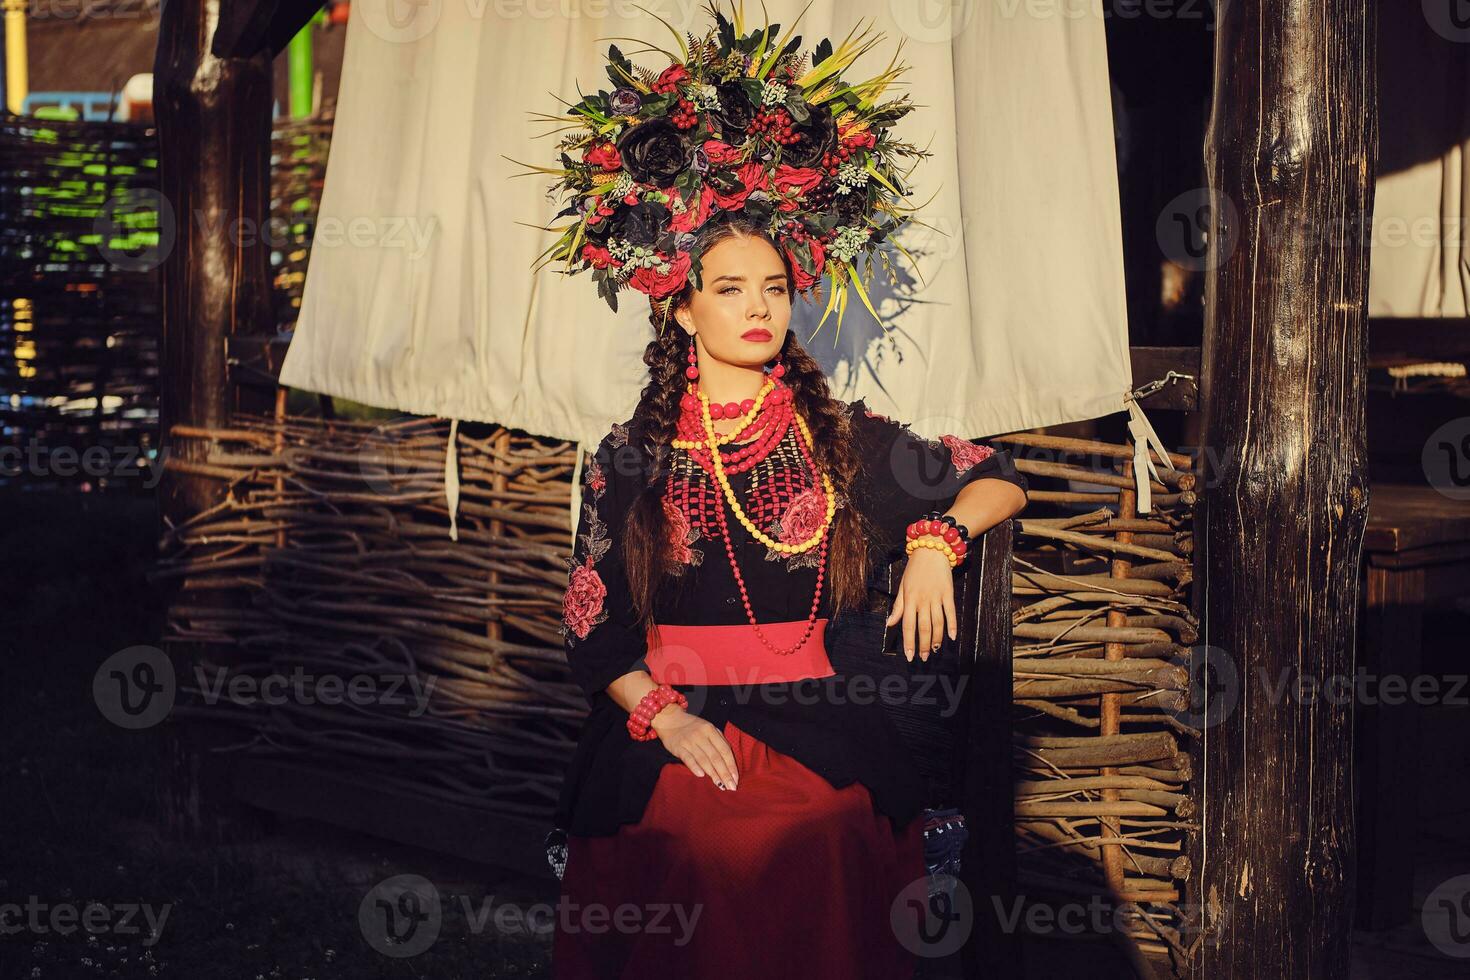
758 335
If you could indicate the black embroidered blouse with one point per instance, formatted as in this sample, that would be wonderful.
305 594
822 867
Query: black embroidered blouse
611 776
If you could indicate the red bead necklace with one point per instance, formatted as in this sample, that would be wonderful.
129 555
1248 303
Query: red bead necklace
772 423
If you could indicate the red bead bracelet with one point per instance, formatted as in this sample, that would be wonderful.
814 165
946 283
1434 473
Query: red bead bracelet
640 719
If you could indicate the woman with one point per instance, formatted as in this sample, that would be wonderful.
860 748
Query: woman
763 825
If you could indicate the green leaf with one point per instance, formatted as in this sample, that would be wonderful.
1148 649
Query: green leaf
752 88
823 52
803 253
797 106
616 59
696 270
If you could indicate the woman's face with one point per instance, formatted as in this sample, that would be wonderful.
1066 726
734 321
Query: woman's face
742 313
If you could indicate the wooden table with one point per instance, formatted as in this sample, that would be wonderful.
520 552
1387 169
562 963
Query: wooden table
1416 551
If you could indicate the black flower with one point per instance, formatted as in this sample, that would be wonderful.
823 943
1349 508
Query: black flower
640 224
735 113
653 152
815 139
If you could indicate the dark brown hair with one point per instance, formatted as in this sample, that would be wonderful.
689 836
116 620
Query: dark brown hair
645 549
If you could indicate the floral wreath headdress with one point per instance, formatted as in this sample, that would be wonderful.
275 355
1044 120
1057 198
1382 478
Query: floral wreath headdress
739 123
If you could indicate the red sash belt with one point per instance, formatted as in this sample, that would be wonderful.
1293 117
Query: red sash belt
735 655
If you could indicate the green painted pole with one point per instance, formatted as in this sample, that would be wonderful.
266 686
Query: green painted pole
299 64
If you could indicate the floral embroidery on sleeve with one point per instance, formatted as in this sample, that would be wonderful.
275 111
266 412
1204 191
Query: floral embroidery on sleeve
582 603
594 478
963 453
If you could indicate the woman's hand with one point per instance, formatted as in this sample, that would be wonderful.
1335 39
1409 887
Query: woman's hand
698 744
925 603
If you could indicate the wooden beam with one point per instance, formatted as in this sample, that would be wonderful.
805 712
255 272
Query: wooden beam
1154 364
1393 340
1290 157
251 27
214 140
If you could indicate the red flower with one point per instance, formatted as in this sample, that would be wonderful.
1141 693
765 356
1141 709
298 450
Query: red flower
670 78
581 606
753 176
604 155
678 531
798 179
863 139
963 453
691 218
647 280
804 515
598 257
720 153
819 260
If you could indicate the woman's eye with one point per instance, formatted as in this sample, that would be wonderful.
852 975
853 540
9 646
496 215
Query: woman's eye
779 289
728 290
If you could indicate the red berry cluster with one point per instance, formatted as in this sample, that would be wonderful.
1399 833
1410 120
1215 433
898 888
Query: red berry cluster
777 124
684 116
832 161
797 232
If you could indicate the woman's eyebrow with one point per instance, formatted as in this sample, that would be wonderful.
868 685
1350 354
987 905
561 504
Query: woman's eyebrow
774 275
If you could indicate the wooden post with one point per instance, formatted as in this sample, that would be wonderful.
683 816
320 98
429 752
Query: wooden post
1290 155
214 128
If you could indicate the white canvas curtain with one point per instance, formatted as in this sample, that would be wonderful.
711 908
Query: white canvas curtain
420 298
1420 256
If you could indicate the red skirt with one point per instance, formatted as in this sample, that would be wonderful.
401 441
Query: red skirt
783 877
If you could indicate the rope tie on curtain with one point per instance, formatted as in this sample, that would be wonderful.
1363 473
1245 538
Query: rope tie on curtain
451 479
1144 436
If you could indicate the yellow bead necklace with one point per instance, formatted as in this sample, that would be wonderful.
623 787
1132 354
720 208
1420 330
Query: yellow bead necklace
712 443
745 420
